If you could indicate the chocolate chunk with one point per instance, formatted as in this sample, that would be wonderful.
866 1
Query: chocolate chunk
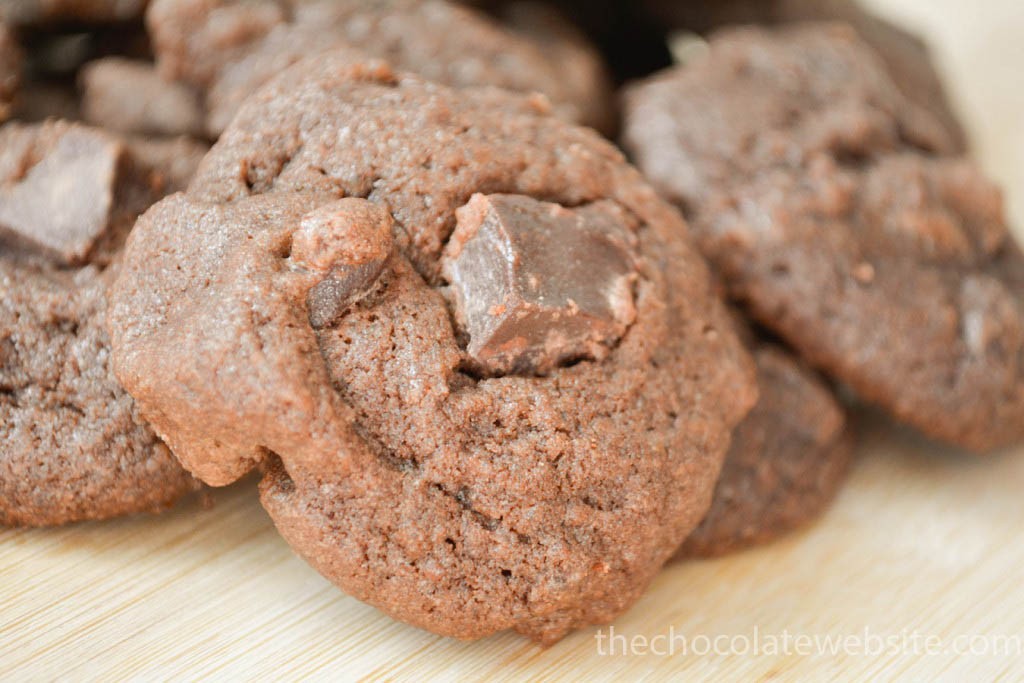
348 241
130 96
536 285
57 192
73 192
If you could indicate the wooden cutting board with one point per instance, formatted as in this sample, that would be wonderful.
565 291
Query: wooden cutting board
922 548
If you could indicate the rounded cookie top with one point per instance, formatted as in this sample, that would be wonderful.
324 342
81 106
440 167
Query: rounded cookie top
229 48
835 214
785 464
489 379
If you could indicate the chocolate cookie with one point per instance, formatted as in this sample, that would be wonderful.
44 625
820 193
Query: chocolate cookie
10 71
785 464
129 96
905 54
72 444
833 209
229 48
488 379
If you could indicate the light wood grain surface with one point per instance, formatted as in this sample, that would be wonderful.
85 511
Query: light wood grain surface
924 543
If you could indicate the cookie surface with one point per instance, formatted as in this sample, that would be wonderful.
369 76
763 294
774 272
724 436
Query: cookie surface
72 444
229 48
74 447
785 464
304 298
837 215
585 80
906 56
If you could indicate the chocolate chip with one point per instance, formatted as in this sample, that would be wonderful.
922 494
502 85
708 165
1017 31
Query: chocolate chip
60 195
536 285
332 296
347 241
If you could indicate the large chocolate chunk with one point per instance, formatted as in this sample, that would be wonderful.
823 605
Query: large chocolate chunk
536 285
73 192
57 187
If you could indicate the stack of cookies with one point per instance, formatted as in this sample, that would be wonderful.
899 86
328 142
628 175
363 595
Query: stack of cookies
506 308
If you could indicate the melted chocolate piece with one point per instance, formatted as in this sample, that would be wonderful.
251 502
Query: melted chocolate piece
348 241
536 285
